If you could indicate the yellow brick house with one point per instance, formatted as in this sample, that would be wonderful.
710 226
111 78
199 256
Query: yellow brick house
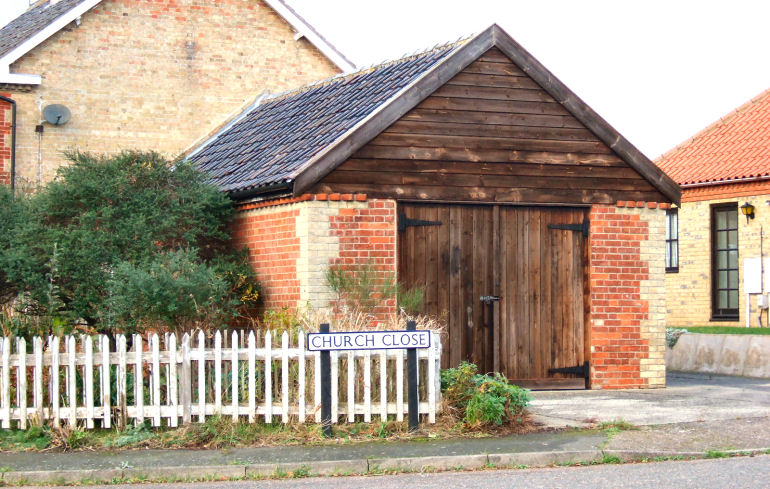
717 247
142 74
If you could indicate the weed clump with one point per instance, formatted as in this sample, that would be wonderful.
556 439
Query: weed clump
483 399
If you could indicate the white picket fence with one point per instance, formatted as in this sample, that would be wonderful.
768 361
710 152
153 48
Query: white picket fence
186 382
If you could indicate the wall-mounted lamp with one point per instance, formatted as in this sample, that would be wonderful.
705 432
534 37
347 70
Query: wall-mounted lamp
748 211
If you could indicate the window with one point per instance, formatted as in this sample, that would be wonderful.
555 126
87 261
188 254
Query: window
724 262
672 240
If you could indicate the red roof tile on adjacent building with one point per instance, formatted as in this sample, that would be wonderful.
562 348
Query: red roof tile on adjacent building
737 147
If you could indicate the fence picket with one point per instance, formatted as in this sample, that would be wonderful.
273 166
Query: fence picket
121 373
317 386
37 399
268 379
234 374
335 385
6 395
252 378
301 377
155 392
201 377
367 386
218 373
383 386
432 382
53 347
172 389
399 385
351 387
105 378
138 379
285 377
21 382
88 379
186 382
72 394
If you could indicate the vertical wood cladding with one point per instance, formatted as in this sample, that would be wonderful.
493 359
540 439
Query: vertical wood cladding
491 134
514 253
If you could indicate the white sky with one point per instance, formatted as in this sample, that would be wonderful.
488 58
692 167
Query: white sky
657 70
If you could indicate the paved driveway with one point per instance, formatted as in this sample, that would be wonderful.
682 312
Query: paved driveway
688 398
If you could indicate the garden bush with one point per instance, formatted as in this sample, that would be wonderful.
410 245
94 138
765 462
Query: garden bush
122 243
483 399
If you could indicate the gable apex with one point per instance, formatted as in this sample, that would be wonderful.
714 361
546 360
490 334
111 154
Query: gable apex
494 36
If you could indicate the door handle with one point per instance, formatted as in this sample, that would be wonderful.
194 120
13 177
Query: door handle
489 299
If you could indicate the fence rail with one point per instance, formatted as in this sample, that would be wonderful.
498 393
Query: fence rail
103 382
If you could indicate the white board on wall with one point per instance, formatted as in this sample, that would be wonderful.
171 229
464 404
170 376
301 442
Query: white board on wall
752 276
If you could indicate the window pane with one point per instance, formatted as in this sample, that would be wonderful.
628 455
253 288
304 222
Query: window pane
733 259
675 255
732 219
675 225
732 239
721 240
722 300
722 280
668 255
668 226
721 220
721 259
732 281
733 299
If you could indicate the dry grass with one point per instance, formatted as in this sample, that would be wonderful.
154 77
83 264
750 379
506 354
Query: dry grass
221 432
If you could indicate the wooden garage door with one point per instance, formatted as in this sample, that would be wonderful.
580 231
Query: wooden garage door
528 258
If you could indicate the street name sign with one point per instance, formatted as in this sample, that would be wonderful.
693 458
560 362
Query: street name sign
368 340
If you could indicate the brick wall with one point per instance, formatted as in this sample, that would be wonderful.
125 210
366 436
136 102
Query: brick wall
689 290
5 140
627 296
270 235
292 242
155 74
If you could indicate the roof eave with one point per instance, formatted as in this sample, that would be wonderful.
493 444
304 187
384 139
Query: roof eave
31 43
308 31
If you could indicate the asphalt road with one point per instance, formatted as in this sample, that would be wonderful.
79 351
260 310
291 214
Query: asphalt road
741 472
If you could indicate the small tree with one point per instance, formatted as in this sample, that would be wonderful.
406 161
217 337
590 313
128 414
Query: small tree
127 241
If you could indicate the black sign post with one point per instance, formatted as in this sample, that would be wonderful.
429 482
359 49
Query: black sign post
411 371
326 388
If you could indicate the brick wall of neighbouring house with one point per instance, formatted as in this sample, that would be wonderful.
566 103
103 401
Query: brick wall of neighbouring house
627 335
155 75
293 242
5 140
689 290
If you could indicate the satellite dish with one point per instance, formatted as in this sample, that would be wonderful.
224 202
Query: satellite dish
56 114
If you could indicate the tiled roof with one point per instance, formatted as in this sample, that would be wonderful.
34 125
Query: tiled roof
277 137
737 147
34 20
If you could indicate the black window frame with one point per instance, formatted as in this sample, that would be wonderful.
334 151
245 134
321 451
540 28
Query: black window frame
672 241
724 314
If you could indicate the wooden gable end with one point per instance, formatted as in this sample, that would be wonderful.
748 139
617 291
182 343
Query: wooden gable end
491 134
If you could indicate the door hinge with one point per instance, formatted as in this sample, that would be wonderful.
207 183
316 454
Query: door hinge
582 370
406 222
581 227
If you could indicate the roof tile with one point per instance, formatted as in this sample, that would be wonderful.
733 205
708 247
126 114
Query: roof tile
274 139
34 20
735 147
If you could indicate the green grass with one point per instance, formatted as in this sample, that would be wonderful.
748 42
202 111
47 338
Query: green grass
727 330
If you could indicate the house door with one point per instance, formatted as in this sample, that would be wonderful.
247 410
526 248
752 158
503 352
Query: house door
509 283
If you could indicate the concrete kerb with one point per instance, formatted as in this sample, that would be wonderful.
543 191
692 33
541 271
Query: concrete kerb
352 467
